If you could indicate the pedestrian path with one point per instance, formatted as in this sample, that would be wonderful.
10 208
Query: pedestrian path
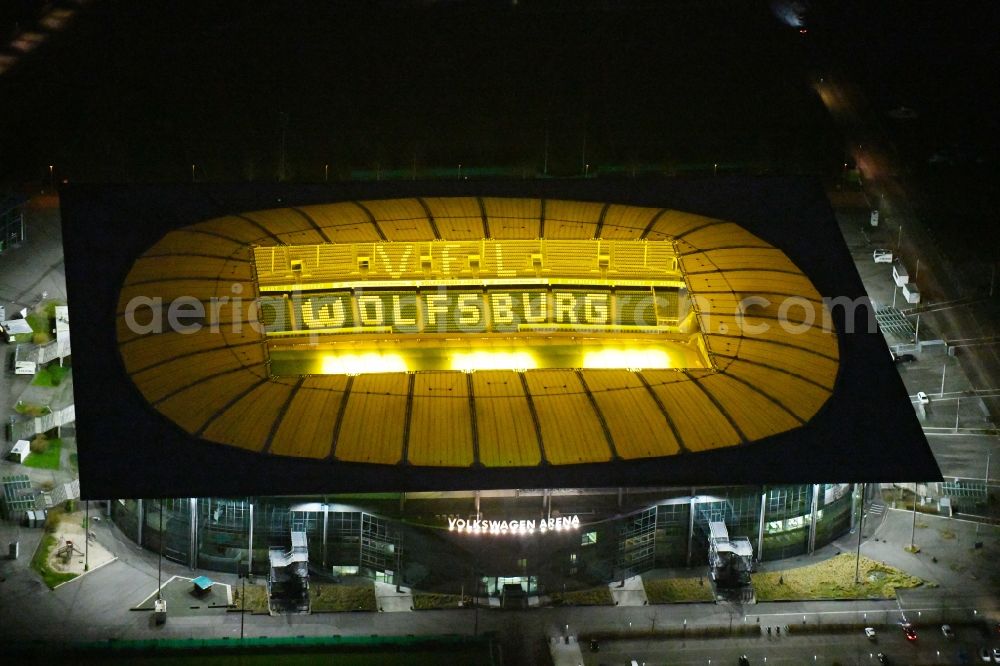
390 599
565 651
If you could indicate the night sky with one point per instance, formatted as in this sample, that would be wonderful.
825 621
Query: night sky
139 91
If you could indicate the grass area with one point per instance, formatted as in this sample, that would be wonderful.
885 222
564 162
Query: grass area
329 597
51 376
256 598
595 596
40 563
29 409
41 325
430 601
673 590
42 320
833 579
74 462
47 460
48 308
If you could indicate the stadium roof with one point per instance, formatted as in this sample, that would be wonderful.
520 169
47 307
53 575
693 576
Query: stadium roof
218 384
762 393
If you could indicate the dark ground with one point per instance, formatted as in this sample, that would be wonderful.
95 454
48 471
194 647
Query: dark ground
137 92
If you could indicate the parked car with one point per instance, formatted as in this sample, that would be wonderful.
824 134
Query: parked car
922 398
744 661
984 654
904 358
947 631
870 633
996 655
883 659
594 645
909 632
882 256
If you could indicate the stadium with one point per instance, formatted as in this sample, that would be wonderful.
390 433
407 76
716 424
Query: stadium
477 383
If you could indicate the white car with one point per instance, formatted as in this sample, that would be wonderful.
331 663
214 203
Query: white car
996 655
922 398
870 633
882 256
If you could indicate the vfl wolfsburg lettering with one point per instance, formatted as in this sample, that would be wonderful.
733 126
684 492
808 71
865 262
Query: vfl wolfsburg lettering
466 310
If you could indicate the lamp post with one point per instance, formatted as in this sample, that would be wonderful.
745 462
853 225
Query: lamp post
192 173
159 561
326 173
861 528
52 175
245 572
986 481
86 536
913 527
243 601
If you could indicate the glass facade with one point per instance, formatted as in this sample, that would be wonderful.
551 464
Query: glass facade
619 534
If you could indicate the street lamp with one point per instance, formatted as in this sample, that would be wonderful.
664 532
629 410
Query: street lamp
86 536
326 173
52 178
192 173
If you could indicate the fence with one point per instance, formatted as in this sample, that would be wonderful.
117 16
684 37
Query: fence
28 428
42 354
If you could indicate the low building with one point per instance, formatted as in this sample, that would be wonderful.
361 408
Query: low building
17 330
19 452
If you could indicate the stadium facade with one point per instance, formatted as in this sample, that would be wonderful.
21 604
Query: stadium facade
380 366
554 540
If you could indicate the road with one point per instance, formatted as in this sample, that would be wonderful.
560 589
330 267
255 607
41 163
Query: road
930 648
886 182
963 455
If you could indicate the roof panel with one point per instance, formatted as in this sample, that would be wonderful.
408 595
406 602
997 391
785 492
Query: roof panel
699 422
307 427
571 431
638 427
372 429
504 423
440 423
